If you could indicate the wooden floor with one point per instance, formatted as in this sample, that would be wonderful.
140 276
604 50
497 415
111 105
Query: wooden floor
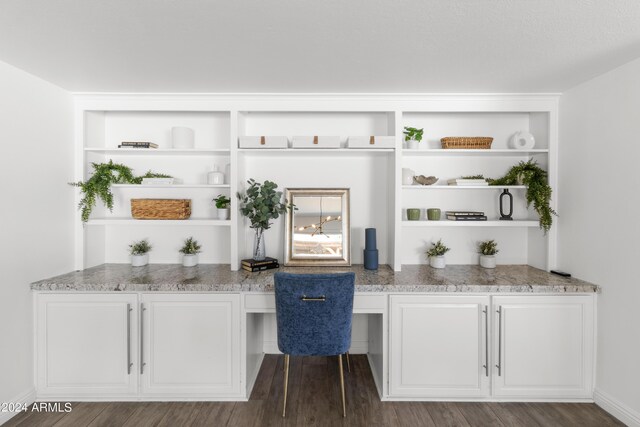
314 399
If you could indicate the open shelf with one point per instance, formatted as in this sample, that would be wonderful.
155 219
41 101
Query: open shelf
464 187
315 151
159 222
177 186
473 152
160 151
488 223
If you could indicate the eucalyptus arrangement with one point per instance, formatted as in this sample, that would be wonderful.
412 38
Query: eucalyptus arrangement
140 252
190 250
538 190
261 204
413 136
99 185
436 254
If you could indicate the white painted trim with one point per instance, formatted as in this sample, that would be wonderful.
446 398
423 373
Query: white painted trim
377 381
616 408
27 398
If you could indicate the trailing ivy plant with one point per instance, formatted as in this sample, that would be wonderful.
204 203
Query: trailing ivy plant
99 185
538 193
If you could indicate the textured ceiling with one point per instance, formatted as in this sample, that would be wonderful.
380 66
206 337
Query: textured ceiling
318 45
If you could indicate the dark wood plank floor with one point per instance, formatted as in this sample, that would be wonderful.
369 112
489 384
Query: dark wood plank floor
314 400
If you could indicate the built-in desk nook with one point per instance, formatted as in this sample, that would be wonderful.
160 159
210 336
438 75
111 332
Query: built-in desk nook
166 332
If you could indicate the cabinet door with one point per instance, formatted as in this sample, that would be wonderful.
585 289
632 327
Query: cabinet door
190 344
543 346
86 345
438 346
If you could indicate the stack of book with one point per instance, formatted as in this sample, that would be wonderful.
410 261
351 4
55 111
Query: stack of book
468 182
466 216
253 265
137 144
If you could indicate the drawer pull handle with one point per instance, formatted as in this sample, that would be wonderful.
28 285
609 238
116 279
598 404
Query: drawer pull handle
499 365
321 298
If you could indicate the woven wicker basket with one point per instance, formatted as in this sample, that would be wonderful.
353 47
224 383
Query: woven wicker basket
160 208
475 142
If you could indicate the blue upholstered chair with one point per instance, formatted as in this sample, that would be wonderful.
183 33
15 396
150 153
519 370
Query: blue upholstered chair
314 313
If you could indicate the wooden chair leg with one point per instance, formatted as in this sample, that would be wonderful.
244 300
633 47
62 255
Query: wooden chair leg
344 404
286 384
348 362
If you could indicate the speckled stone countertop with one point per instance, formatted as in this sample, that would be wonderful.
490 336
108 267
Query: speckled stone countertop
219 278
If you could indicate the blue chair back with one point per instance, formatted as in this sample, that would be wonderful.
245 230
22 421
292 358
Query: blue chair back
314 313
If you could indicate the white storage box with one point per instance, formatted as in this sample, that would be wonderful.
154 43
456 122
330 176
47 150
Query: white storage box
264 142
316 142
371 142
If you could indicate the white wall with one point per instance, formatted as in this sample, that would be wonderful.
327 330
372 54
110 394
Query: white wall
36 213
599 236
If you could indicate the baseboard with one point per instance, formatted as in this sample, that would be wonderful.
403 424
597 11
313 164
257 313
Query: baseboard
26 398
616 408
357 347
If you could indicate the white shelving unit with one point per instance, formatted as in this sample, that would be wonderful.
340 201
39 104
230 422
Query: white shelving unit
463 187
378 198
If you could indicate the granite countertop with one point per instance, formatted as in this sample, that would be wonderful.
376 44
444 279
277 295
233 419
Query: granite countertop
219 278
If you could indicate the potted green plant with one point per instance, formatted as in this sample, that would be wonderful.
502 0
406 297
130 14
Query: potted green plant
413 137
140 253
261 204
538 193
488 250
222 205
99 185
190 250
436 254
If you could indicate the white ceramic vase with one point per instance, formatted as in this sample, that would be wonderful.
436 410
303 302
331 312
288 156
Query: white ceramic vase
412 144
182 137
189 260
437 261
488 261
407 176
223 214
139 260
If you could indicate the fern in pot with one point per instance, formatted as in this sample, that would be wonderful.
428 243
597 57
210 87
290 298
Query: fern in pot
436 254
140 253
190 250
488 250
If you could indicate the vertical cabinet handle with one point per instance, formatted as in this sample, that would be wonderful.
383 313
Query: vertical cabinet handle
486 340
499 365
129 363
142 310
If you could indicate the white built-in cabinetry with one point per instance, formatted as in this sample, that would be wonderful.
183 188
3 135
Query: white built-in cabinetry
507 347
129 346
374 175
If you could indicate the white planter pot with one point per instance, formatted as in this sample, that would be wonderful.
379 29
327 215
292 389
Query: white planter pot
223 213
139 260
437 261
488 261
190 260
412 144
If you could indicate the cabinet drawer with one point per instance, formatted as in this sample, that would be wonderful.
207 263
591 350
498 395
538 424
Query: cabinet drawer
362 303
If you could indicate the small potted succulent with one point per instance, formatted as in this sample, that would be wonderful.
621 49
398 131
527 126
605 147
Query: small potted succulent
488 250
413 137
140 253
190 251
222 205
436 254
